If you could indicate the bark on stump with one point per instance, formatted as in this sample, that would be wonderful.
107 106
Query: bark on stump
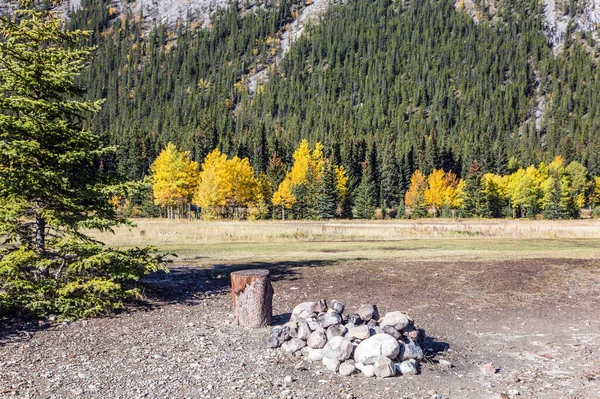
252 297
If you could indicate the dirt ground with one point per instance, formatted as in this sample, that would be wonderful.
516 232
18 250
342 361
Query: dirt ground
536 320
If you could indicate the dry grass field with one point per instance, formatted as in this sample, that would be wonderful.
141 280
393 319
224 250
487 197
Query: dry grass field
209 242
522 295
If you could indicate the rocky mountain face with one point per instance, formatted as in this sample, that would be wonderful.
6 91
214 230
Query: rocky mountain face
583 17
559 15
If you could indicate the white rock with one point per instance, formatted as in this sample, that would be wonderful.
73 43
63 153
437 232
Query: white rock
305 309
291 346
315 355
304 331
377 345
328 319
331 364
317 340
398 320
368 312
338 348
360 332
408 367
368 370
347 368
384 367
336 330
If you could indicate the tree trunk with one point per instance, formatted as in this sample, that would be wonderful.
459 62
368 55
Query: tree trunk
252 297
40 234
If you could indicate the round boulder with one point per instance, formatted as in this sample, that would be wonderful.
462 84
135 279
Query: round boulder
378 345
316 340
338 348
327 319
384 367
398 320
368 312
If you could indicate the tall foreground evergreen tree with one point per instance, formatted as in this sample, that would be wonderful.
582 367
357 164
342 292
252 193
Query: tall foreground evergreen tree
51 182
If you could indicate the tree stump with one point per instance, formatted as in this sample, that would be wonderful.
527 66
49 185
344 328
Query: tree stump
252 297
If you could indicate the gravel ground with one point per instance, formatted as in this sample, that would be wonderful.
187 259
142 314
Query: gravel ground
534 320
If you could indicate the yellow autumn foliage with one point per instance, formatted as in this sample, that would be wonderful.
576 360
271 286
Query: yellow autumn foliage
174 177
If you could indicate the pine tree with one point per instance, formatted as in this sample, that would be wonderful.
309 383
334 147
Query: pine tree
473 201
390 180
327 200
372 160
364 202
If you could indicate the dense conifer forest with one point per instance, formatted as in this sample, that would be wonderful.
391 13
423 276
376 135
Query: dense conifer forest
388 87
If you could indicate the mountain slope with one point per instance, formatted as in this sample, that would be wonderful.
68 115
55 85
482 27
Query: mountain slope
422 78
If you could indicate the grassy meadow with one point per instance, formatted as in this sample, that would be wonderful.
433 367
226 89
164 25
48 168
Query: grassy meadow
211 242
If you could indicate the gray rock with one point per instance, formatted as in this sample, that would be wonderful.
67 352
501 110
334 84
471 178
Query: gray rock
328 319
349 326
347 368
331 364
408 367
338 348
304 331
278 336
316 340
337 306
336 330
305 309
410 350
320 306
316 355
398 320
384 367
368 370
372 323
360 332
306 350
377 345
368 312
355 319
314 326
291 346
392 331
376 330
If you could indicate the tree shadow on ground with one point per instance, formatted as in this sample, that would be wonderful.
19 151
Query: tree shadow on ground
189 285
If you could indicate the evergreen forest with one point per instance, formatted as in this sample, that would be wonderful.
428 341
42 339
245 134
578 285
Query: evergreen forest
387 87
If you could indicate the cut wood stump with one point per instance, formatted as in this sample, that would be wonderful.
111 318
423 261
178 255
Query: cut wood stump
252 297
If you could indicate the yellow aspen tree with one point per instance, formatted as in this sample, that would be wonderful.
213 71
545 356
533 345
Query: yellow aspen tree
454 190
210 193
174 178
434 193
239 182
283 196
415 196
595 196
306 163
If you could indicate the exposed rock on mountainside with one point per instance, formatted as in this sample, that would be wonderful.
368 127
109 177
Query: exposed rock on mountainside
584 18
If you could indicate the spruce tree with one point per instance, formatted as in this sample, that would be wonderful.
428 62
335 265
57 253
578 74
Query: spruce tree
328 196
52 185
473 197
365 203
390 179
